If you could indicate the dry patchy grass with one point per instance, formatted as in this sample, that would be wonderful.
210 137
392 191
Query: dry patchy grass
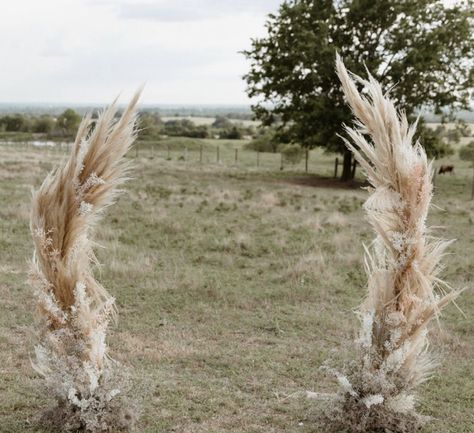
233 286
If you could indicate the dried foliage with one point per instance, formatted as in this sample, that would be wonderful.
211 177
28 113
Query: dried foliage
405 292
73 309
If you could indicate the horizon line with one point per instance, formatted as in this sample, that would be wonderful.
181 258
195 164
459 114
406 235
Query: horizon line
146 104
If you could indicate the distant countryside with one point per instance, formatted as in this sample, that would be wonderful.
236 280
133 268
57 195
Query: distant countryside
231 139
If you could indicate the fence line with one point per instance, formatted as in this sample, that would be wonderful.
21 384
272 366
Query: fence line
205 155
309 161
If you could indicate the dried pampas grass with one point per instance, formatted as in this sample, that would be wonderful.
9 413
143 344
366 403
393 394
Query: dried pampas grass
73 309
405 293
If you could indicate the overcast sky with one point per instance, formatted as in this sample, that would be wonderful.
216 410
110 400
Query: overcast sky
87 51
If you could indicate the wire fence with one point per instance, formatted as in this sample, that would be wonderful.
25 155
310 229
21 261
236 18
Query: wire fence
310 161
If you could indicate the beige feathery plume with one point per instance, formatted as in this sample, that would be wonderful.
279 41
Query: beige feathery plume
73 308
404 289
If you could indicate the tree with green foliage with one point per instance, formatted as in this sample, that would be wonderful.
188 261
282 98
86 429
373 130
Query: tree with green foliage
265 141
15 123
185 128
44 124
68 122
422 49
199 131
222 122
150 126
231 133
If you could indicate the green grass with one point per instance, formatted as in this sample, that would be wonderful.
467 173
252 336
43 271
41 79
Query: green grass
230 153
16 136
234 283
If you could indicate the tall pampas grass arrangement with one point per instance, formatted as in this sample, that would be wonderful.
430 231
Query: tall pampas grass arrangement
73 308
405 292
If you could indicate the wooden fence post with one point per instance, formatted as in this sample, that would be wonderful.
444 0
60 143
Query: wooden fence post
200 154
236 155
306 161
336 163
281 161
354 165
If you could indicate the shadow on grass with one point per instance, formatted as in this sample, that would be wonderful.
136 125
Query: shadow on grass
322 182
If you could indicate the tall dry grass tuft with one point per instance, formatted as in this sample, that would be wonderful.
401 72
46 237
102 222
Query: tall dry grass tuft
405 293
73 309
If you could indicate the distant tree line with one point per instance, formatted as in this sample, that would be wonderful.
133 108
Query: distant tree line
151 126
64 125
232 112
272 138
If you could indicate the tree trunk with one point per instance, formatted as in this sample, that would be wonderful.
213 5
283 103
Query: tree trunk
347 172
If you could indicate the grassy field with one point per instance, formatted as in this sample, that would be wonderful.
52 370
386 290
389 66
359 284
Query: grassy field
231 153
234 283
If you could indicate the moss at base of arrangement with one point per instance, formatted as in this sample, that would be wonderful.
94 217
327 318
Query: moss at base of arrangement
64 417
352 416
104 411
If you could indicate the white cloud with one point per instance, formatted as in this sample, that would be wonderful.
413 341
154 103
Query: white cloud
190 10
88 51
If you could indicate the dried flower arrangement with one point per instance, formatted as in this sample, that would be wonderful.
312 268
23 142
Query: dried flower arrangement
73 309
405 293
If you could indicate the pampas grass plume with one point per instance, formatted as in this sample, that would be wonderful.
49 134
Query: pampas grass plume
403 264
73 308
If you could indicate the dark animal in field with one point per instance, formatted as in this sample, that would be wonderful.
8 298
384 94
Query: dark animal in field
446 169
